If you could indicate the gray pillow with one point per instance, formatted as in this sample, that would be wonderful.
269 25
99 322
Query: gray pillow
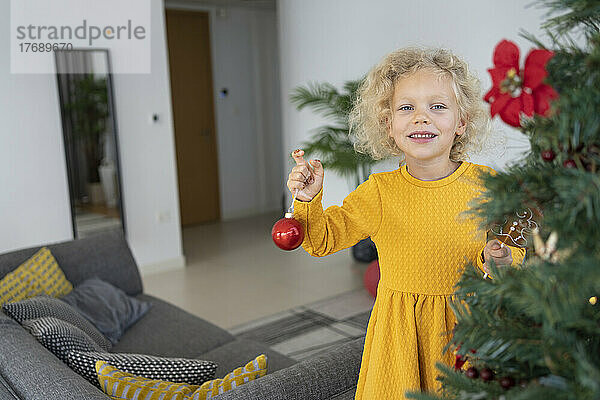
46 306
109 308
60 337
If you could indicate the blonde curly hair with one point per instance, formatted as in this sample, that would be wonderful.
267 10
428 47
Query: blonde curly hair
372 109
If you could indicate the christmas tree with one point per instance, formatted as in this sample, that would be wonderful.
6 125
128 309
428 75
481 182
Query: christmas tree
533 331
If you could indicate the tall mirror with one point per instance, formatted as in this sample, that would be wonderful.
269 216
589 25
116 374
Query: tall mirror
90 137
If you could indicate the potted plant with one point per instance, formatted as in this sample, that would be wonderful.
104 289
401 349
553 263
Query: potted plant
89 112
332 143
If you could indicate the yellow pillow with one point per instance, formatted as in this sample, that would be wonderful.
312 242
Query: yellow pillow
38 275
255 369
18 285
49 275
121 385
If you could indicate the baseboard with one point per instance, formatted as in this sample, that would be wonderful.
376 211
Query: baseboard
166 265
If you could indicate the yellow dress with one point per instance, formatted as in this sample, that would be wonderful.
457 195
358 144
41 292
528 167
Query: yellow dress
423 242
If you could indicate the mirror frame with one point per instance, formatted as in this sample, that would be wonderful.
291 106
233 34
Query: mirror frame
113 117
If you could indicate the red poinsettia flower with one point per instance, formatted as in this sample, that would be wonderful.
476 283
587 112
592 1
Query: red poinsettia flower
515 91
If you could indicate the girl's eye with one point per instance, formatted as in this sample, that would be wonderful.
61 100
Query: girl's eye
404 108
441 106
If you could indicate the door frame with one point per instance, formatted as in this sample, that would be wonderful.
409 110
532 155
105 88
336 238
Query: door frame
211 12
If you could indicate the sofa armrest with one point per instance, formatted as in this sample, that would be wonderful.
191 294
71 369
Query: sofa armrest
33 373
321 377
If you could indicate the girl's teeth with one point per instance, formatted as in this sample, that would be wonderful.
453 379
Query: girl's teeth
422 136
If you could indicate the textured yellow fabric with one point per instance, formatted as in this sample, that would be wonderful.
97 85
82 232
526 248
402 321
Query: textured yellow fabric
40 274
121 385
255 369
48 274
18 285
423 242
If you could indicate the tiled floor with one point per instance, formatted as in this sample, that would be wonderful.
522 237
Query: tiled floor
235 274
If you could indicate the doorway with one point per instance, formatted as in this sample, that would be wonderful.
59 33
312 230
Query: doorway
192 97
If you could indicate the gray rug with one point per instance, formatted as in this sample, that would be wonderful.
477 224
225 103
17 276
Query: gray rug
309 329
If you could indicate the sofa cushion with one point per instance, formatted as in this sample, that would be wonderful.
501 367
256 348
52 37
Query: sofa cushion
232 353
59 337
109 308
168 331
45 306
33 373
253 370
38 274
18 285
182 370
121 385
48 274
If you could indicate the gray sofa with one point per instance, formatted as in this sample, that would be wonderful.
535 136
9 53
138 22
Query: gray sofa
29 371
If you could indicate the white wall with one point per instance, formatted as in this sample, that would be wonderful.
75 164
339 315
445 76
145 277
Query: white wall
339 40
34 196
248 122
34 205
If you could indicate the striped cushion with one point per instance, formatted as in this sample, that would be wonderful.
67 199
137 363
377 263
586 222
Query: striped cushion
121 385
39 274
182 370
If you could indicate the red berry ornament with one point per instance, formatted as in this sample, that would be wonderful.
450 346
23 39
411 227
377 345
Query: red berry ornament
472 373
287 233
548 155
487 374
507 382
569 164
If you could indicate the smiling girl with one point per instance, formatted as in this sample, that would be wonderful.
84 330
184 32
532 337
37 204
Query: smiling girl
424 106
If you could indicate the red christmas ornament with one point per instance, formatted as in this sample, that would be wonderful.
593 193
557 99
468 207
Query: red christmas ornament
515 91
287 233
569 164
548 155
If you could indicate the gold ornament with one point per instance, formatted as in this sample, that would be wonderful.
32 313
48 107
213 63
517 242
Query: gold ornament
593 300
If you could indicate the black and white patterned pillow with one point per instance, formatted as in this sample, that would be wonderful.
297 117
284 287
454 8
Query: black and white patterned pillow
59 336
46 306
179 370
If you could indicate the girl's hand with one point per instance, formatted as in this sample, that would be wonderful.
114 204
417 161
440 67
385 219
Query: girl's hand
501 254
306 177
